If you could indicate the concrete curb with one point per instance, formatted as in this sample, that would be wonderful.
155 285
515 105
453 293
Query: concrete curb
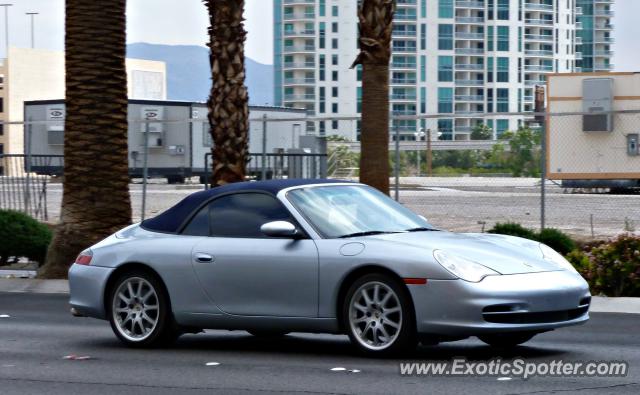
599 304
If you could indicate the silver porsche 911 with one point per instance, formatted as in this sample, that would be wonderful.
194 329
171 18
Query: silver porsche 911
321 256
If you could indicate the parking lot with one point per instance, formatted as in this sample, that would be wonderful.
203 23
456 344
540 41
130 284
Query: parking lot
462 204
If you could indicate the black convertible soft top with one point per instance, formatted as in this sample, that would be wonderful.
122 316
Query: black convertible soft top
171 220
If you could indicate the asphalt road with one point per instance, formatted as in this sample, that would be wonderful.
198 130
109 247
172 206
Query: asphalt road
38 333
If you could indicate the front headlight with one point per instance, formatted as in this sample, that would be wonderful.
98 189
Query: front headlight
462 268
552 255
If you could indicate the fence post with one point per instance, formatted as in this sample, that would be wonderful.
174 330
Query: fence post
27 186
264 147
397 162
145 171
543 121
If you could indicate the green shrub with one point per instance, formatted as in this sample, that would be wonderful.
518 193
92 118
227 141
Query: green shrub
557 240
513 229
22 236
612 269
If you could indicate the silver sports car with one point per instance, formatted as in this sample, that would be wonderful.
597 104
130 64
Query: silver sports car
275 257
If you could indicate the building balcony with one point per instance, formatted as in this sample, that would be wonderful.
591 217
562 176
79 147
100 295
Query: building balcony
538 52
406 2
403 97
470 51
406 66
303 97
606 40
476 66
299 81
538 7
301 33
403 49
300 65
602 53
470 4
403 112
404 17
539 37
470 19
299 17
469 98
469 36
538 22
608 26
534 82
293 2
404 33
605 13
603 67
299 48
470 82
403 81
538 67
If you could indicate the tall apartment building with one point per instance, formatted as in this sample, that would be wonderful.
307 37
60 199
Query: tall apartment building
595 35
458 57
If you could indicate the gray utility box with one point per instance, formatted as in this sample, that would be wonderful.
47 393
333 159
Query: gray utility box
597 97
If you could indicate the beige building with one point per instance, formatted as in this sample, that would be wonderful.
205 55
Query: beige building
598 146
36 74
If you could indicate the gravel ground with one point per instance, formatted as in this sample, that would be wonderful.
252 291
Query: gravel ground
462 204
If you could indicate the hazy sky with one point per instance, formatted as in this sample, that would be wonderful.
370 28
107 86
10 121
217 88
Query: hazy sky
185 22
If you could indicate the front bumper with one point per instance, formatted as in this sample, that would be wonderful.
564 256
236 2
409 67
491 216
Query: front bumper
86 289
505 303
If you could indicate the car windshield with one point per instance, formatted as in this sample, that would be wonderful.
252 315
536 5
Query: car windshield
354 210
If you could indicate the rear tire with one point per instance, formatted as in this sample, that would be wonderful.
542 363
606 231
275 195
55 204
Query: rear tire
507 340
139 310
378 316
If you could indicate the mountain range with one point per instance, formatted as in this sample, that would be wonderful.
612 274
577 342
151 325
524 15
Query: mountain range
188 72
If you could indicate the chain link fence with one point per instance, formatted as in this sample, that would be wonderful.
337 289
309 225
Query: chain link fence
464 173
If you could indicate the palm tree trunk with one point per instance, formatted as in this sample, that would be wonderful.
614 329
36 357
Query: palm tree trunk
376 24
95 200
228 102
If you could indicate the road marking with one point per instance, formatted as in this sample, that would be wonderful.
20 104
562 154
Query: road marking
504 378
5 316
338 369
212 363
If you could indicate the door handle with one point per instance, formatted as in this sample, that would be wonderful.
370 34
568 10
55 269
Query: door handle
204 258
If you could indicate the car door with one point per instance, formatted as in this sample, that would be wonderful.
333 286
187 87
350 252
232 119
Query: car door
247 273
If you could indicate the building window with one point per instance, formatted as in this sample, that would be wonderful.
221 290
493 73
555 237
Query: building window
489 100
359 72
445 37
445 68
334 60
334 76
334 27
322 67
489 69
334 125
334 43
503 70
334 91
323 7
423 8
334 10
503 10
445 100
359 99
423 100
502 100
423 36
322 34
445 126
322 95
503 38
423 68
502 125
490 38
490 9
334 108
445 9
323 128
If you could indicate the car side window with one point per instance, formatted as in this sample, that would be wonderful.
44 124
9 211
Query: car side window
199 224
242 214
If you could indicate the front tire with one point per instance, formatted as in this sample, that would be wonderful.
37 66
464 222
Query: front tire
139 310
378 316
507 340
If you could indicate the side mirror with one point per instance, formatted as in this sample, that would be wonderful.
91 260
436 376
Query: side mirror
280 229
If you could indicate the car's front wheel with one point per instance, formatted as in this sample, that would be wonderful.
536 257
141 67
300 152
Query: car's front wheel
139 311
507 340
378 316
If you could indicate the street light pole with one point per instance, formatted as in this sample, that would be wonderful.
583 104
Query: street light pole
419 135
32 15
6 26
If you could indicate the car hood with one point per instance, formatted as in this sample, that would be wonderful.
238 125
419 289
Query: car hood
504 254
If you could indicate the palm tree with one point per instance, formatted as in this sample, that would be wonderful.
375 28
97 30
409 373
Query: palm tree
95 201
228 100
376 24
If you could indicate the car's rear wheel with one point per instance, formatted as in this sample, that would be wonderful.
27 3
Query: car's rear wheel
378 316
506 340
139 310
